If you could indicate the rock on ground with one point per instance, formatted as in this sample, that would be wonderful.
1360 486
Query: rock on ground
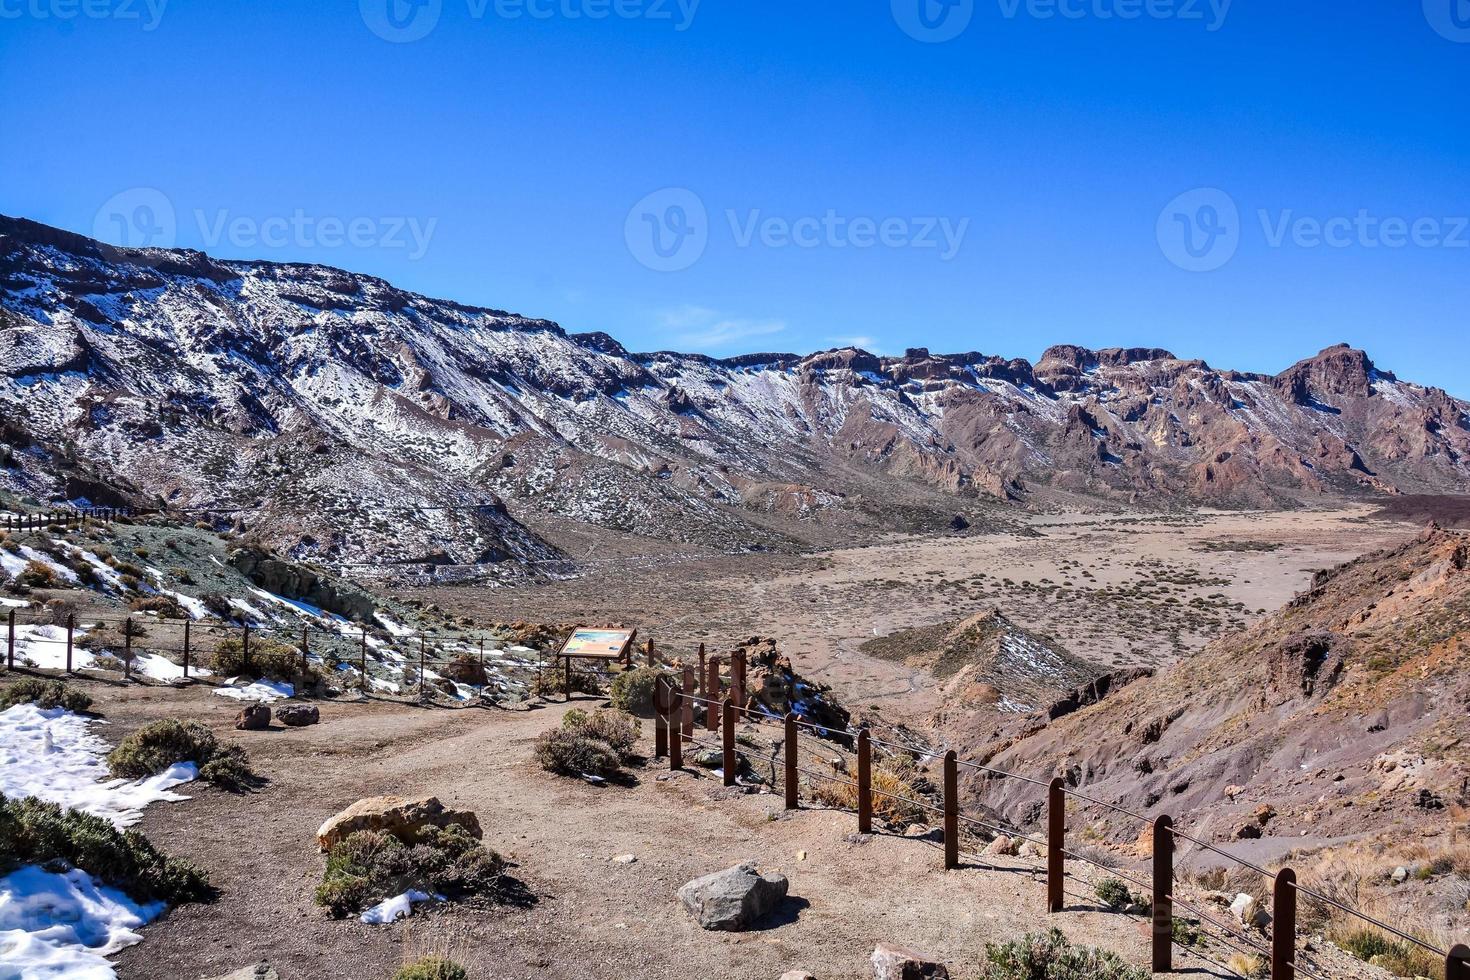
892 962
253 718
260 971
298 715
404 819
733 899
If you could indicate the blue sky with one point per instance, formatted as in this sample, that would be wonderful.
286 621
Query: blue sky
1244 182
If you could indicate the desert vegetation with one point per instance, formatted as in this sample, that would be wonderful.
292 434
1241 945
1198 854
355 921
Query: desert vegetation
597 744
1050 956
369 866
155 747
43 694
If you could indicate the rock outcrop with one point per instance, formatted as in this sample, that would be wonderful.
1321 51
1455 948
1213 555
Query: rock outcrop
394 815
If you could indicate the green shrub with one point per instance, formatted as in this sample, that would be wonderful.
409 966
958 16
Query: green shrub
1116 895
269 659
368 866
165 605
37 575
570 753
632 690
551 682
43 694
1049 956
613 728
155 747
432 968
37 832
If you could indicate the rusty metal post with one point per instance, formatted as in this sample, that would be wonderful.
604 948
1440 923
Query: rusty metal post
305 650
566 692
482 656
362 657
1457 963
712 694
865 782
727 741
792 801
423 682
660 719
737 680
648 652
1056 832
245 647
1163 906
676 736
686 704
1283 926
128 648
951 811
71 629
702 674
187 624
10 641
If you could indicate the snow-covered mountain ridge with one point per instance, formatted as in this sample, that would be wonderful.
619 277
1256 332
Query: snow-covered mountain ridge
353 420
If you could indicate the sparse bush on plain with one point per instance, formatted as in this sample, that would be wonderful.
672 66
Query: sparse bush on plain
154 747
465 668
570 753
36 832
618 731
165 606
368 866
270 659
432 968
552 682
632 691
891 795
38 575
43 694
1116 895
1049 956
1398 957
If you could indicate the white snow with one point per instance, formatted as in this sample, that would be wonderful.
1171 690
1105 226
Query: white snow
45 646
395 908
64 925
51 753
41 558
392 627
263 691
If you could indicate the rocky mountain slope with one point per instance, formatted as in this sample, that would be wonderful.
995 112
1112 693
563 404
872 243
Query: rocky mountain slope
344 419
1343 715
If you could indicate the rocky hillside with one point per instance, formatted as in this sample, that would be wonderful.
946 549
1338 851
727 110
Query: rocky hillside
342 418
1344 715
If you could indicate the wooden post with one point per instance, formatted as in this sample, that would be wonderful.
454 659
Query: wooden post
792 802
482 655
1163 906
648 651
71 629
702 673
712 694
1056 832
676 736
728 742
128 648
951 811
1283 926
245 647
362 657
865 782
423 687
660 719
686 709
737 680
566 693
1457 963
187 624
304 651
10 641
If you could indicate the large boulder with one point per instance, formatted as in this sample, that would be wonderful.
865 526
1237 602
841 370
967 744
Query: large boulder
404 819
734 899
253 718
297 715
892 962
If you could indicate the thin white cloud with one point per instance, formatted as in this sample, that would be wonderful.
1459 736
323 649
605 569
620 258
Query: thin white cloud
871 344
703 329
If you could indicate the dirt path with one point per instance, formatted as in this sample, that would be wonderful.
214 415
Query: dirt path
591 918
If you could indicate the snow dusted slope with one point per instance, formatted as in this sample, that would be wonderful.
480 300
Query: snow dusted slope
346 419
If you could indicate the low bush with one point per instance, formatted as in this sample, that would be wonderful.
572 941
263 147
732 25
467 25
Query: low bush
164 605
632 690
465 669
1116 895
43 694
270 659
569 753
1247 965
1400 958
1049 956
38 575
368 866
890 799
154 747
552 682
432 968
36 832
616 730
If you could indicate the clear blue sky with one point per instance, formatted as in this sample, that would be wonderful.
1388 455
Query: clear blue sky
519 146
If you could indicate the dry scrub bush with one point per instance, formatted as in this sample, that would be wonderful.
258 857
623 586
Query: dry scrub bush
368 866
270 659
43 694
632 690
37 575
552 682
1049 956
155 747
842 795
432 968
588 745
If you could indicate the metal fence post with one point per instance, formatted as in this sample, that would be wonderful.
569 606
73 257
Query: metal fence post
1283 926
245 648
951 811
792 801
1163 907
1056 832
423 681
712 693
865 782
676 737
10 641
187 624
686 703
362 658
71 629
128 648
727 741
1457 963
660 719
305 650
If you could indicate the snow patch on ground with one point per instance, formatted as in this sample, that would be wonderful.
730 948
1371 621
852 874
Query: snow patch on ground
263 691
395 908
64 925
